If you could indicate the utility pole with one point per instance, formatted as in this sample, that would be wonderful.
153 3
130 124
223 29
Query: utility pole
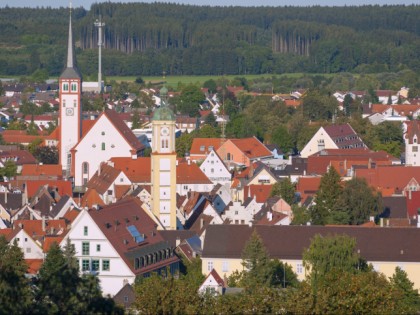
99 24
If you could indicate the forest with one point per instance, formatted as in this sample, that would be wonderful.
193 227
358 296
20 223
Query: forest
147 39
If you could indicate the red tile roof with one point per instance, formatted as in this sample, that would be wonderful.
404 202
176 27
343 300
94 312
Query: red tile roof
203 146
413 129
34 227
394 178
190 173
91 198
113 221
45 169
32 186
260 192
251 147
103 178
137 170
34 265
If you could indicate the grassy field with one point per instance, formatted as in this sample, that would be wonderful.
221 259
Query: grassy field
173 81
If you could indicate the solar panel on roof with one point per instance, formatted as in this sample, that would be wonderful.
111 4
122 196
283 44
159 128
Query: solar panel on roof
138 238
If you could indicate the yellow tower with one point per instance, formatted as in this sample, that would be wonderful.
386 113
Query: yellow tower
163 159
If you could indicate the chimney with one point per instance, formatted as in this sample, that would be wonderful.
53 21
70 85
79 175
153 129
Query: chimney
201 223
189 162
5 197
250 223
44 223
178 241
381 222
372 218
270 216
176 163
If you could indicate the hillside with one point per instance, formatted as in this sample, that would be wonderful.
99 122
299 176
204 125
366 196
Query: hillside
146 39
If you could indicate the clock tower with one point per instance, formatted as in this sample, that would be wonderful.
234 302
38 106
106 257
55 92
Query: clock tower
163 159
70 86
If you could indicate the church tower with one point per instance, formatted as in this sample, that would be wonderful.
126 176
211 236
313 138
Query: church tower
70 85
163 160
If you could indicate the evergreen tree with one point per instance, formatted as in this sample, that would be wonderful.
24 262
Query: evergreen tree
256 262
409 299
326 198
136 120
284 189
15 293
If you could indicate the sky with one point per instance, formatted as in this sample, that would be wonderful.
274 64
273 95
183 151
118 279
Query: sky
87 3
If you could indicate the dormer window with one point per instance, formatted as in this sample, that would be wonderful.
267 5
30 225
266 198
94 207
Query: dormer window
415 140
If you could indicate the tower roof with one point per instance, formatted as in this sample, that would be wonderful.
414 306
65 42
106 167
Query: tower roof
164 112
71 70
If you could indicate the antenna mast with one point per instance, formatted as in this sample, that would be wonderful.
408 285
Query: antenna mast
99 24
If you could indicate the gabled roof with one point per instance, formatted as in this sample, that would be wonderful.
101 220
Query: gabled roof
251 147
91 198
34 227
394 178
213 273
113 221
190 173
63 187
203 146
103 178
137 170
260 192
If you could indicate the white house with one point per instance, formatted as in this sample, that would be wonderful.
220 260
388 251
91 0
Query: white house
238 213
189 177
214 168
411 138
213 284
119 242
333 137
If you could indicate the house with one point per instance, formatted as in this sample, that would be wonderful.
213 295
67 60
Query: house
215 170
108 137
125 297
241 213
109 182
411 139
243 151
119 242
213 284
381 247
392 180
201 147
332 137
189 177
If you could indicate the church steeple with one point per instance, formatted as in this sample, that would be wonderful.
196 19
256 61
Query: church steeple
70 83
71 70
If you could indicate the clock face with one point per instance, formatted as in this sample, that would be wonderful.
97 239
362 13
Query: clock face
164 131
69 111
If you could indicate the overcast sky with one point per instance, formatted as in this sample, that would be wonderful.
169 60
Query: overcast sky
87 3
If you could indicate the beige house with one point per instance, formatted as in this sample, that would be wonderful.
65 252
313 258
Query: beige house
383 248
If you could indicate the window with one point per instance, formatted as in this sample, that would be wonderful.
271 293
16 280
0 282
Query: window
103 133
98 247
74 103
415 148
225 266
299 268
202 148
209 265
85 248
64 103
85 264
73 87
28 250
110 192
65 87
105 265
26 239
103 146
85 167
95 264
85 230
126 299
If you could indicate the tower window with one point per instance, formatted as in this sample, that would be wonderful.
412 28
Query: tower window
65 87
74 103
103 145
73 87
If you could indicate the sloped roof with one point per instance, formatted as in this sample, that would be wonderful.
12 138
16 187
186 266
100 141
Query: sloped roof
260 192
91 198
113 221
251 147
34 227
103 178
20 157
190 173
203 146
289 242
44 169
395 178
413 129
137 170
63 186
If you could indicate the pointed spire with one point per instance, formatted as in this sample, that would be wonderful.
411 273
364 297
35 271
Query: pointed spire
70 57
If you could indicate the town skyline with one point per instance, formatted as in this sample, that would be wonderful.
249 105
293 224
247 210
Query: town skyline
247 3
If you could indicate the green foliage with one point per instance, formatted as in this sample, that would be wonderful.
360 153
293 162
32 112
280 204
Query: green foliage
300 215
284 189
34 145
136 123
15 293
46 154
9 169
189 100
330 254
210 85
318 106
409 300
282 138
326 198
358 201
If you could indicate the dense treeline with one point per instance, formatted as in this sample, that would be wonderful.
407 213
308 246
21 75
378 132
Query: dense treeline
146 39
